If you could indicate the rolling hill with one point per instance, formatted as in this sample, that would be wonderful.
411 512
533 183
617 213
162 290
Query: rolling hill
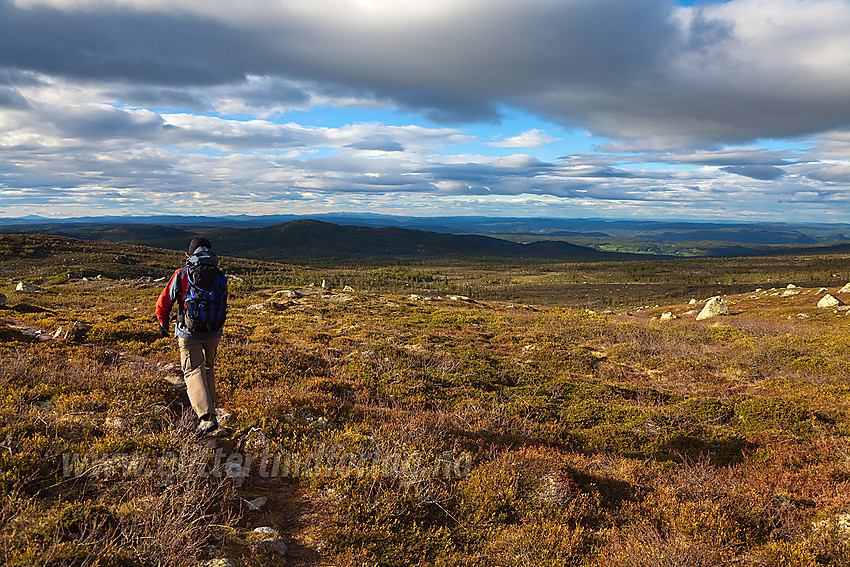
311 239
304 239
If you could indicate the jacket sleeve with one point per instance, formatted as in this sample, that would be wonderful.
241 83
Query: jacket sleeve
173 291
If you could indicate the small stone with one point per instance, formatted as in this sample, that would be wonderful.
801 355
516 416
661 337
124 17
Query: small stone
668 316
224 417
348 288
692 302
791 286
266 530
790 292
327 285
256 307
257 503
845 289
829 301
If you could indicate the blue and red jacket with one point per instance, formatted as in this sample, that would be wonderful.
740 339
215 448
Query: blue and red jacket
175 291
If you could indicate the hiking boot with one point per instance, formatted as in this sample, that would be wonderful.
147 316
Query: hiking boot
207 425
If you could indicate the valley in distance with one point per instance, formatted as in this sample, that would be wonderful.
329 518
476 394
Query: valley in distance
519 394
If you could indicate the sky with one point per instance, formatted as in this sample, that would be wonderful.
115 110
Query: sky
643 109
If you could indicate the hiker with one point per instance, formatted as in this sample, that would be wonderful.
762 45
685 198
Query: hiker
200 291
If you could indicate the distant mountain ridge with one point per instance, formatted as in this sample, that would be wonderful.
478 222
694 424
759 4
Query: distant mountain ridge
305 239
759 233
446 237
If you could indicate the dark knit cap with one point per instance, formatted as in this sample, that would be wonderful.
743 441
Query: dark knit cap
197 242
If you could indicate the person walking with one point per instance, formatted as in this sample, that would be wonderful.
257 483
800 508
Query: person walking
200 291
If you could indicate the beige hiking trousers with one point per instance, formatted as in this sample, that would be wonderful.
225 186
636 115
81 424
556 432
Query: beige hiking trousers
197 358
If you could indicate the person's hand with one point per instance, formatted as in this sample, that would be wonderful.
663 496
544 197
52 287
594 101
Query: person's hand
163 330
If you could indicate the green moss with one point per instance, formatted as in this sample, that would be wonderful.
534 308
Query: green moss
727 334
755 415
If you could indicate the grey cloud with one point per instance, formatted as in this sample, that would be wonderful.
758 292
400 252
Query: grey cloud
467 173
104 123
729 157
271 94
832 174
626 70
593 171
11 98
115 44
161 98
14 77
377 142
704 32
442 108
760 172
279 138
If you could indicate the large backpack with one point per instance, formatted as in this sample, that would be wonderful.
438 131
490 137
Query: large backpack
204 306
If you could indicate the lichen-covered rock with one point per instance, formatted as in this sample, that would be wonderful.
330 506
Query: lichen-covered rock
224 417
290 293
829 301
714 307
27 288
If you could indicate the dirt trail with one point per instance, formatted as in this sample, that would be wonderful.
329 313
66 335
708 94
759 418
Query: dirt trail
290 509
